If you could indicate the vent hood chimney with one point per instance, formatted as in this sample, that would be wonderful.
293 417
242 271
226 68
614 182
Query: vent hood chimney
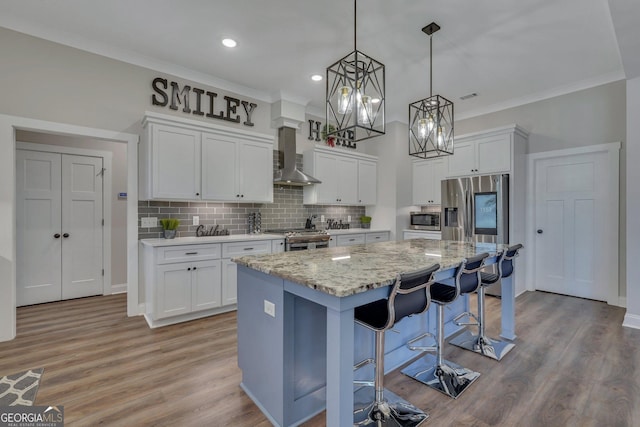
290 174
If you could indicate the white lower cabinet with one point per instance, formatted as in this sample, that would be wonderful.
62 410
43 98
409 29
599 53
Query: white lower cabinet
186 282
230 280
186 287
381 236
358 238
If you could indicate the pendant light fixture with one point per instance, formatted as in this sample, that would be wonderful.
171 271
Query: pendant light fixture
431 119
355 96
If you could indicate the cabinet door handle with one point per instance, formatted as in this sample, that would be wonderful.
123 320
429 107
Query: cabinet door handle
189 269
197 194
237 195
57 235
248 249
191 253
352 240
194 268
242 195
65 235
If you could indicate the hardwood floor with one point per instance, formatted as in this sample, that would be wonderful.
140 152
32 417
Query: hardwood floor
573 365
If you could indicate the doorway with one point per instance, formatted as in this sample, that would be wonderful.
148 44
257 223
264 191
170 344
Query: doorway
573 231
9 125
59 226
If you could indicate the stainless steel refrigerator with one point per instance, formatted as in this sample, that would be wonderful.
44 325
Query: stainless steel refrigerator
476 209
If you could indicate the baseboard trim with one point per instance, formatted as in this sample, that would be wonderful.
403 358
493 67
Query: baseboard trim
186 317
631 321
119 289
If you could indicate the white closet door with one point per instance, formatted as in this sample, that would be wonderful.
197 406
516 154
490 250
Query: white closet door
81 226
38 211
572 228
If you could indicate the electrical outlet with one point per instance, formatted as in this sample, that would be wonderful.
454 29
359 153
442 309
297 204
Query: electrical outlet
149 222
196 220
322 218
348 218
270 308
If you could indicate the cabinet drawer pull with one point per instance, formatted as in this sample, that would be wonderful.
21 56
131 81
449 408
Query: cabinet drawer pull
248 249
191 253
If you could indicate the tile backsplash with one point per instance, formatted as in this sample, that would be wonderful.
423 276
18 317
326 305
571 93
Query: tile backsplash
286 211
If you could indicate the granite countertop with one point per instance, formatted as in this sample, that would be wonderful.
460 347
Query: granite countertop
344 271
193 240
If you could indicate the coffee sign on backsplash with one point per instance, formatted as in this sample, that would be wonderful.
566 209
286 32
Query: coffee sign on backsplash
318 132
205 102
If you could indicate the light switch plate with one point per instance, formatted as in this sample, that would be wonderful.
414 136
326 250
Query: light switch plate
149 222
348 218
322 218
196 220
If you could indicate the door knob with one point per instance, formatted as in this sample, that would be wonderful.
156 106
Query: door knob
57 235
65 235
539 231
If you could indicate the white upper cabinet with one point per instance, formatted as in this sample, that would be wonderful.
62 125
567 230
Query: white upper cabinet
236 170
347 178
175 155
480 155
367 182
427 175
183 159
220 177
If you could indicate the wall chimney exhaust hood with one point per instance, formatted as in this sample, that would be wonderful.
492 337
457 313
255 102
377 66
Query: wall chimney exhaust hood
290 174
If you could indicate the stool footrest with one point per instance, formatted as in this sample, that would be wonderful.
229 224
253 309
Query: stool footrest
420 347
448 377
490 347
363 363
468 314
392 411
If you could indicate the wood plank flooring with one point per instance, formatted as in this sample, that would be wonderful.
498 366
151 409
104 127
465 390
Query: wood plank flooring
573 365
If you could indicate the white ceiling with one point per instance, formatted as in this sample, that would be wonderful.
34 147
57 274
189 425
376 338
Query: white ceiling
508 52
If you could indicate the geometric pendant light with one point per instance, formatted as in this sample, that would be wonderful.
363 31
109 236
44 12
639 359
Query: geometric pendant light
355 96
431 119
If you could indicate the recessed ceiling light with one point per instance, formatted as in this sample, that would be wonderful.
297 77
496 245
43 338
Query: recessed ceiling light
229 42
316 77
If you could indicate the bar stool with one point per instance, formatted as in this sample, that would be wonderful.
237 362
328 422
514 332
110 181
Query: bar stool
432 370
490 347
409 295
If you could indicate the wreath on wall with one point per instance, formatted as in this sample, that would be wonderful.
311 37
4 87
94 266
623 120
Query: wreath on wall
330 141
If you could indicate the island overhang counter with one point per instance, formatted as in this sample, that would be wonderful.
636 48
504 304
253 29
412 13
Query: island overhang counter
297 339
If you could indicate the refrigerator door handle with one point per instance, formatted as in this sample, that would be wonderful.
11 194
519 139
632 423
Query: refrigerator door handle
467 225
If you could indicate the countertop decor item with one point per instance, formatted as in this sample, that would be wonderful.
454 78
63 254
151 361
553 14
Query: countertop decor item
355 95
431 119
365 221
169 225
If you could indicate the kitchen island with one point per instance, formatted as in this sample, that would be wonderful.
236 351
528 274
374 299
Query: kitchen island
297 340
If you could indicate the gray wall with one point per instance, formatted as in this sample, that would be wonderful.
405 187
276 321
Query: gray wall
587 117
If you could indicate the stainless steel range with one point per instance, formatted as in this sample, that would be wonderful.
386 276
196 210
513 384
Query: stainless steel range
303 239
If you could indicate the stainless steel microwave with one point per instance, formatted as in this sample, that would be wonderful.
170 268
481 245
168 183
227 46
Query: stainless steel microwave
428 219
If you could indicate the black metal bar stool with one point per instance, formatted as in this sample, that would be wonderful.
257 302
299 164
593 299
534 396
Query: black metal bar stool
409 295
432 370
480 343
